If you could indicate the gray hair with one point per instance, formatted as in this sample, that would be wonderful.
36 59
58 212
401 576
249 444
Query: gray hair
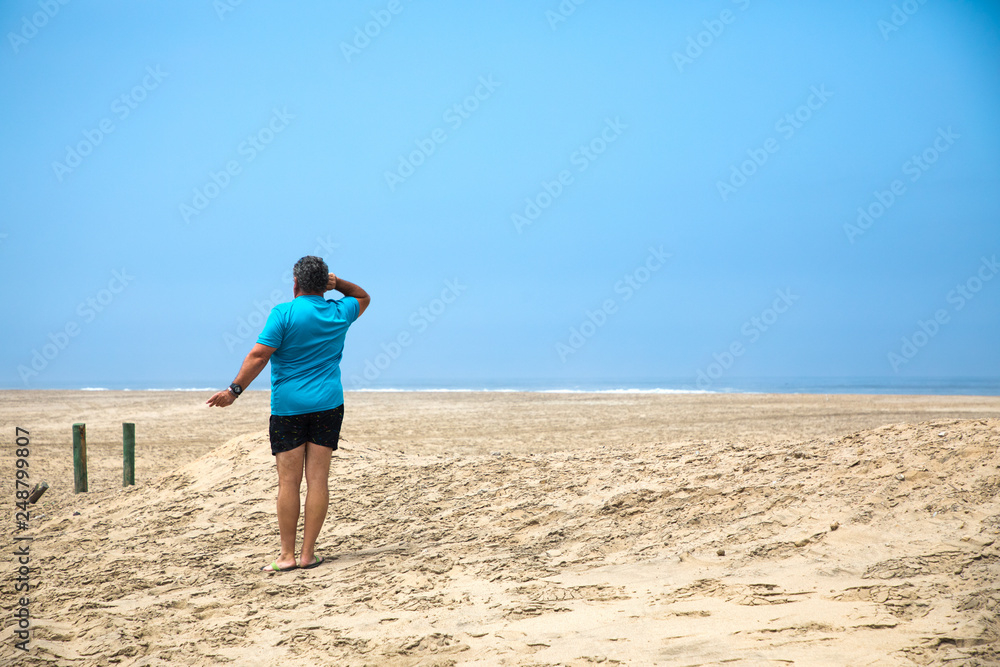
312 274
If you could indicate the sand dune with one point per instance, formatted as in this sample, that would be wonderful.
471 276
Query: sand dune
873 548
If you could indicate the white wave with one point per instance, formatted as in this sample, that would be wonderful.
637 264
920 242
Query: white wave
538 391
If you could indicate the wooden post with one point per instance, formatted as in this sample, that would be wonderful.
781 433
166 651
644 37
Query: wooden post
37 492
128 454
80 458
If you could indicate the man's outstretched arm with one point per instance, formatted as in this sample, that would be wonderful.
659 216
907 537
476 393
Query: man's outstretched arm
252 366
348 288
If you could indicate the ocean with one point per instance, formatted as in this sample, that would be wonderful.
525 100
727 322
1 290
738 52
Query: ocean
940 386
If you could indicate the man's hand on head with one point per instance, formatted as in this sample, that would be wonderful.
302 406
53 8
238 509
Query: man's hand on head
331 283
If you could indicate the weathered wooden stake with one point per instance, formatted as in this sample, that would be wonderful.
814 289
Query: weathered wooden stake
128 454
80 458
37 492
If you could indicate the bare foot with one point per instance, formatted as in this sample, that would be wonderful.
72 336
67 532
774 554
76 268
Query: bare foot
279 566
315 561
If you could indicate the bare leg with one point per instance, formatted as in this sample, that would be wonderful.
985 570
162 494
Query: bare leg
289 482
317 464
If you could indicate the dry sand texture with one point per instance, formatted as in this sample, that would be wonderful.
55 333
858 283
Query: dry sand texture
491 529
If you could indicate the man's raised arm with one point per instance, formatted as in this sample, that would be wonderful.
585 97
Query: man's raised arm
348 288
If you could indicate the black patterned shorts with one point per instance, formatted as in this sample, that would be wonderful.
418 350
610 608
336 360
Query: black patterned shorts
290 431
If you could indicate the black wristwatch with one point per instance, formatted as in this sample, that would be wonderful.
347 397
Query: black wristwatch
236 389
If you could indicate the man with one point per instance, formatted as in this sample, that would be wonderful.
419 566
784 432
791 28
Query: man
304 341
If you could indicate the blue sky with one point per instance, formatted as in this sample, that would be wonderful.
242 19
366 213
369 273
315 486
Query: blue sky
531 191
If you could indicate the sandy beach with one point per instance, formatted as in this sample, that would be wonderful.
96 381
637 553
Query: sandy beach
520 529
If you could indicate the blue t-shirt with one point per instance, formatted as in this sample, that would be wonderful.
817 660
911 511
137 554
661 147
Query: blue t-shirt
308 333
